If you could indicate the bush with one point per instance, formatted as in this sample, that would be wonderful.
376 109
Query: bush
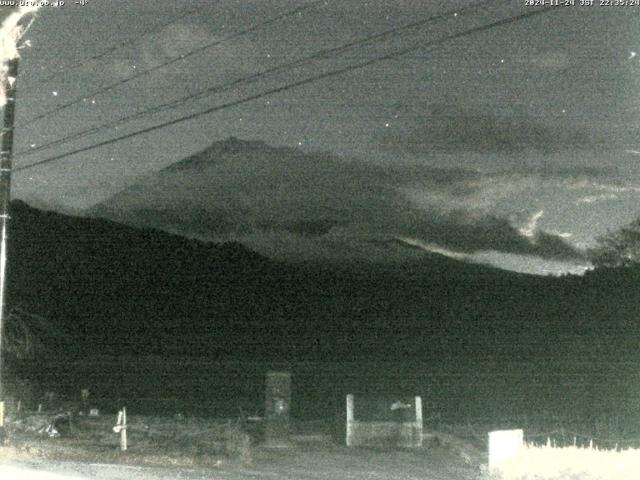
237 443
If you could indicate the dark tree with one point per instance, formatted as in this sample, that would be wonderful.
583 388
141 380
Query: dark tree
618 249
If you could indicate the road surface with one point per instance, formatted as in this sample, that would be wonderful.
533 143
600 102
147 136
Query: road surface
309 463
79 471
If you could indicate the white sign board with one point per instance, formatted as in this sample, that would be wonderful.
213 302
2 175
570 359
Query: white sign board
504 445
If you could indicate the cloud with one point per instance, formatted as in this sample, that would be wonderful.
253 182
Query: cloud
550 59
471 233
289 204
453 129
615 188
477 193
216 61
388 214
596 198
529 230
171 42
458 232
483 193
516 262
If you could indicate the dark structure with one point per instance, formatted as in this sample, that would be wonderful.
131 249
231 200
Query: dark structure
389 422
277 408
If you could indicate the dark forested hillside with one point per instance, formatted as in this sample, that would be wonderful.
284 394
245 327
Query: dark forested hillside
456 332
123 290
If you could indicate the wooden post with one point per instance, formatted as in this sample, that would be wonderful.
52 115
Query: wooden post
417 441
123 431
277 409
3 431
9 75
84 400
121 428
349 420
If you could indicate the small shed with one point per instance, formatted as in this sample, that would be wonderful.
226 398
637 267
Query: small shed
395 422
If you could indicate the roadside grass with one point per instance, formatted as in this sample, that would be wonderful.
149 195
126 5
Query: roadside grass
216 443
152 440
190 442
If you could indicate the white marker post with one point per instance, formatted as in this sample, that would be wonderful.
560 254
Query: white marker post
417 440
504 445
350 418
123 432
121 428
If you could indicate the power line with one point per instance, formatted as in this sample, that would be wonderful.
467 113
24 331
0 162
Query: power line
123 44
370 39
252 78
291 85
171 61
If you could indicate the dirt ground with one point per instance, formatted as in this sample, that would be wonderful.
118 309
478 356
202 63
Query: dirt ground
301 461
321 462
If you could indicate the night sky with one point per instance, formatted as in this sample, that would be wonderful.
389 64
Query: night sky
531 125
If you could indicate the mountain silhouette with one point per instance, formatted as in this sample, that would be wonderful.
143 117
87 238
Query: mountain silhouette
292 205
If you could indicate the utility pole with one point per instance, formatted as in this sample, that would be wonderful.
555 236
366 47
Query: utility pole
9 77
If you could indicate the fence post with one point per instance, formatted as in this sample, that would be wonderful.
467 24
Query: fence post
419 427
123 432
2 429
277 409
121 428
349 420
84 400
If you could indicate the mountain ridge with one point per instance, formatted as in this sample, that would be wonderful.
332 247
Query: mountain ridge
288 205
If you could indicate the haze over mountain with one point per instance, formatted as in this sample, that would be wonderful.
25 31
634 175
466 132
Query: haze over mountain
290 205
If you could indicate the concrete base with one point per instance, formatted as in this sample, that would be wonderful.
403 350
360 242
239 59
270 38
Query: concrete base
385 434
